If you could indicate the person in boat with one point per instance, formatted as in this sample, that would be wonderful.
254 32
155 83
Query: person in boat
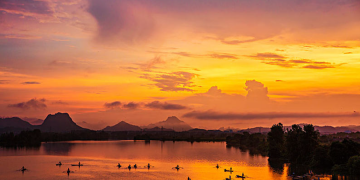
135 166
242 176
59 163
23 168
129 167
79 163
217 166
231 169
189 178
177 167
119 166
68 171
148 165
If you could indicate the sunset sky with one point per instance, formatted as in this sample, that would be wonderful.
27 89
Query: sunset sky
211 63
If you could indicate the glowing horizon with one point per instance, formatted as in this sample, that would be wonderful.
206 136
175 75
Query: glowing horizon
142 61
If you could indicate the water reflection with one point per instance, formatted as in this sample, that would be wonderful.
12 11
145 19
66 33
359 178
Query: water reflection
277 166
197 160
57 148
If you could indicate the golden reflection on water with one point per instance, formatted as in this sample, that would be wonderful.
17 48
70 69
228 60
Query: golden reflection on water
100 159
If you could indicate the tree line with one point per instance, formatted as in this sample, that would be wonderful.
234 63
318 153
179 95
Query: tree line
302 147
33 138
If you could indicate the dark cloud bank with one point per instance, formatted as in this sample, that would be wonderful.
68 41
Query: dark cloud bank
213 115
150 105
31 104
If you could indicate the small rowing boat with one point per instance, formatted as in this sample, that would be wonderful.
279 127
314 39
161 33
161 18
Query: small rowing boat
225 170
77 165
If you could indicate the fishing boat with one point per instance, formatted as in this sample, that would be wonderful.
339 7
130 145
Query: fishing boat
230 170
77 165
242 176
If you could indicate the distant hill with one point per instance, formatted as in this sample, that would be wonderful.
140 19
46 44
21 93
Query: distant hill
37 122
14 122
171 123
59 122
355 128
122 126
33 121
156 129
332 130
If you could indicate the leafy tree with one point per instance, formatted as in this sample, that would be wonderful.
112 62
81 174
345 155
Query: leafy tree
276 141
308 143
353 165
293 143
340 152
321 159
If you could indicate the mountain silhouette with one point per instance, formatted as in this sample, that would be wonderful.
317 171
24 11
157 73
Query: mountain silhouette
157 129
37 122
14 122
122 126
171 122
59 122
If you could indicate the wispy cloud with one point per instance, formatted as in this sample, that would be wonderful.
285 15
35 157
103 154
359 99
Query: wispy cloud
26 7
19 36
267 55
59 102
185 54
4 81
174 81
164 106
152 63
30 82
283 61
223 56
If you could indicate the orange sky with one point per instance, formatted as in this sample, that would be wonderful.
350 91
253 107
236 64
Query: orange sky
212 63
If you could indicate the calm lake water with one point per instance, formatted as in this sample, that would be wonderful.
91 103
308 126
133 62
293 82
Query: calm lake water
101 157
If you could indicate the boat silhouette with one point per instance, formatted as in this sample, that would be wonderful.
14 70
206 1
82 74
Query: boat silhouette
77 164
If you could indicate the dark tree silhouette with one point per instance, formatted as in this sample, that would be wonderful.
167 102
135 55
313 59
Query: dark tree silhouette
276 141
293 143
